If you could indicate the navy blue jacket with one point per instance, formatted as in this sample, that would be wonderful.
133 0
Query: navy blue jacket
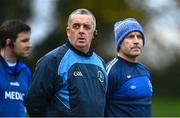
129 89
68 82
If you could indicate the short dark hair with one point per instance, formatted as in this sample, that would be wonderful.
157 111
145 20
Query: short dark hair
10 29
83 11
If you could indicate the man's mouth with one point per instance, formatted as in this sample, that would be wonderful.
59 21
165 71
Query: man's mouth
81 38
135 47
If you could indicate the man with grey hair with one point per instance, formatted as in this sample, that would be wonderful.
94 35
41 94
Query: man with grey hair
71 79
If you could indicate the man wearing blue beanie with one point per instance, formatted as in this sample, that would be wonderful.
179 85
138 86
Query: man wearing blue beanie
129 91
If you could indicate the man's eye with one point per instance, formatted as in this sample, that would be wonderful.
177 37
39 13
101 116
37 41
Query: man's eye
75 26
87 27
139 36
130 36
25 40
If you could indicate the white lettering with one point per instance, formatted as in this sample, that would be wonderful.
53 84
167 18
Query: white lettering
77 73
7 95
12 95
14 84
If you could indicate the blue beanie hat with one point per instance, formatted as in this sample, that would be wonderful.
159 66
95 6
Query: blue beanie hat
123 28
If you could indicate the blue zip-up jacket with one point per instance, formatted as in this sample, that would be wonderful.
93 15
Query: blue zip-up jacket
129 89
14 83
68 82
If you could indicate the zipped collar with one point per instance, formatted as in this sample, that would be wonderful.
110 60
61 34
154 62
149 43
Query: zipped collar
14 70
90 52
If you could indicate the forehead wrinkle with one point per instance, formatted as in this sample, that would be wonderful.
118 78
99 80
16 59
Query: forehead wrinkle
77 18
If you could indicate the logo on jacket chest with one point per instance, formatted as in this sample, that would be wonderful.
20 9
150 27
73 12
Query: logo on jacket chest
100 76
14 84
77 74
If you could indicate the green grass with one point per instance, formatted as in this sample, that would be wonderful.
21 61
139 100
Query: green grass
166 107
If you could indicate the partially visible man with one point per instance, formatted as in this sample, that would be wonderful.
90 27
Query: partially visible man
71 79
129 82
15 76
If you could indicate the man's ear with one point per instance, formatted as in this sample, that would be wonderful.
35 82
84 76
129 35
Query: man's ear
67 31
95 33
9 42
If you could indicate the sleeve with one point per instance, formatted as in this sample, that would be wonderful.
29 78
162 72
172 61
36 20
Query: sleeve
108 93
105 72
110 86
29 75
114 80
42 87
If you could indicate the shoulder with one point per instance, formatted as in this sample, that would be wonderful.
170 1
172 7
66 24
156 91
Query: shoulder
115 71
144 67
100 58
54 55
112 65
24 68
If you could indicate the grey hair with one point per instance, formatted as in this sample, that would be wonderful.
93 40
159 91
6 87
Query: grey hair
82 11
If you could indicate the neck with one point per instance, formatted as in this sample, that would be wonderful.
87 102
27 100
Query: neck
8 55
83 50
128 58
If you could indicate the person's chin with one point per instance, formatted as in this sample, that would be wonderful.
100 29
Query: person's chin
82 45
135 54
25 55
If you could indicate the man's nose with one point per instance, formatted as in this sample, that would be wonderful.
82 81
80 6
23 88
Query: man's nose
29 44
81 29
136 38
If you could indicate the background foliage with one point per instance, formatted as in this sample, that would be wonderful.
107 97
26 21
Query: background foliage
165 81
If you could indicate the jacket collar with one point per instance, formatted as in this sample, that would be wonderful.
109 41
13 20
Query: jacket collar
14 70
90 52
